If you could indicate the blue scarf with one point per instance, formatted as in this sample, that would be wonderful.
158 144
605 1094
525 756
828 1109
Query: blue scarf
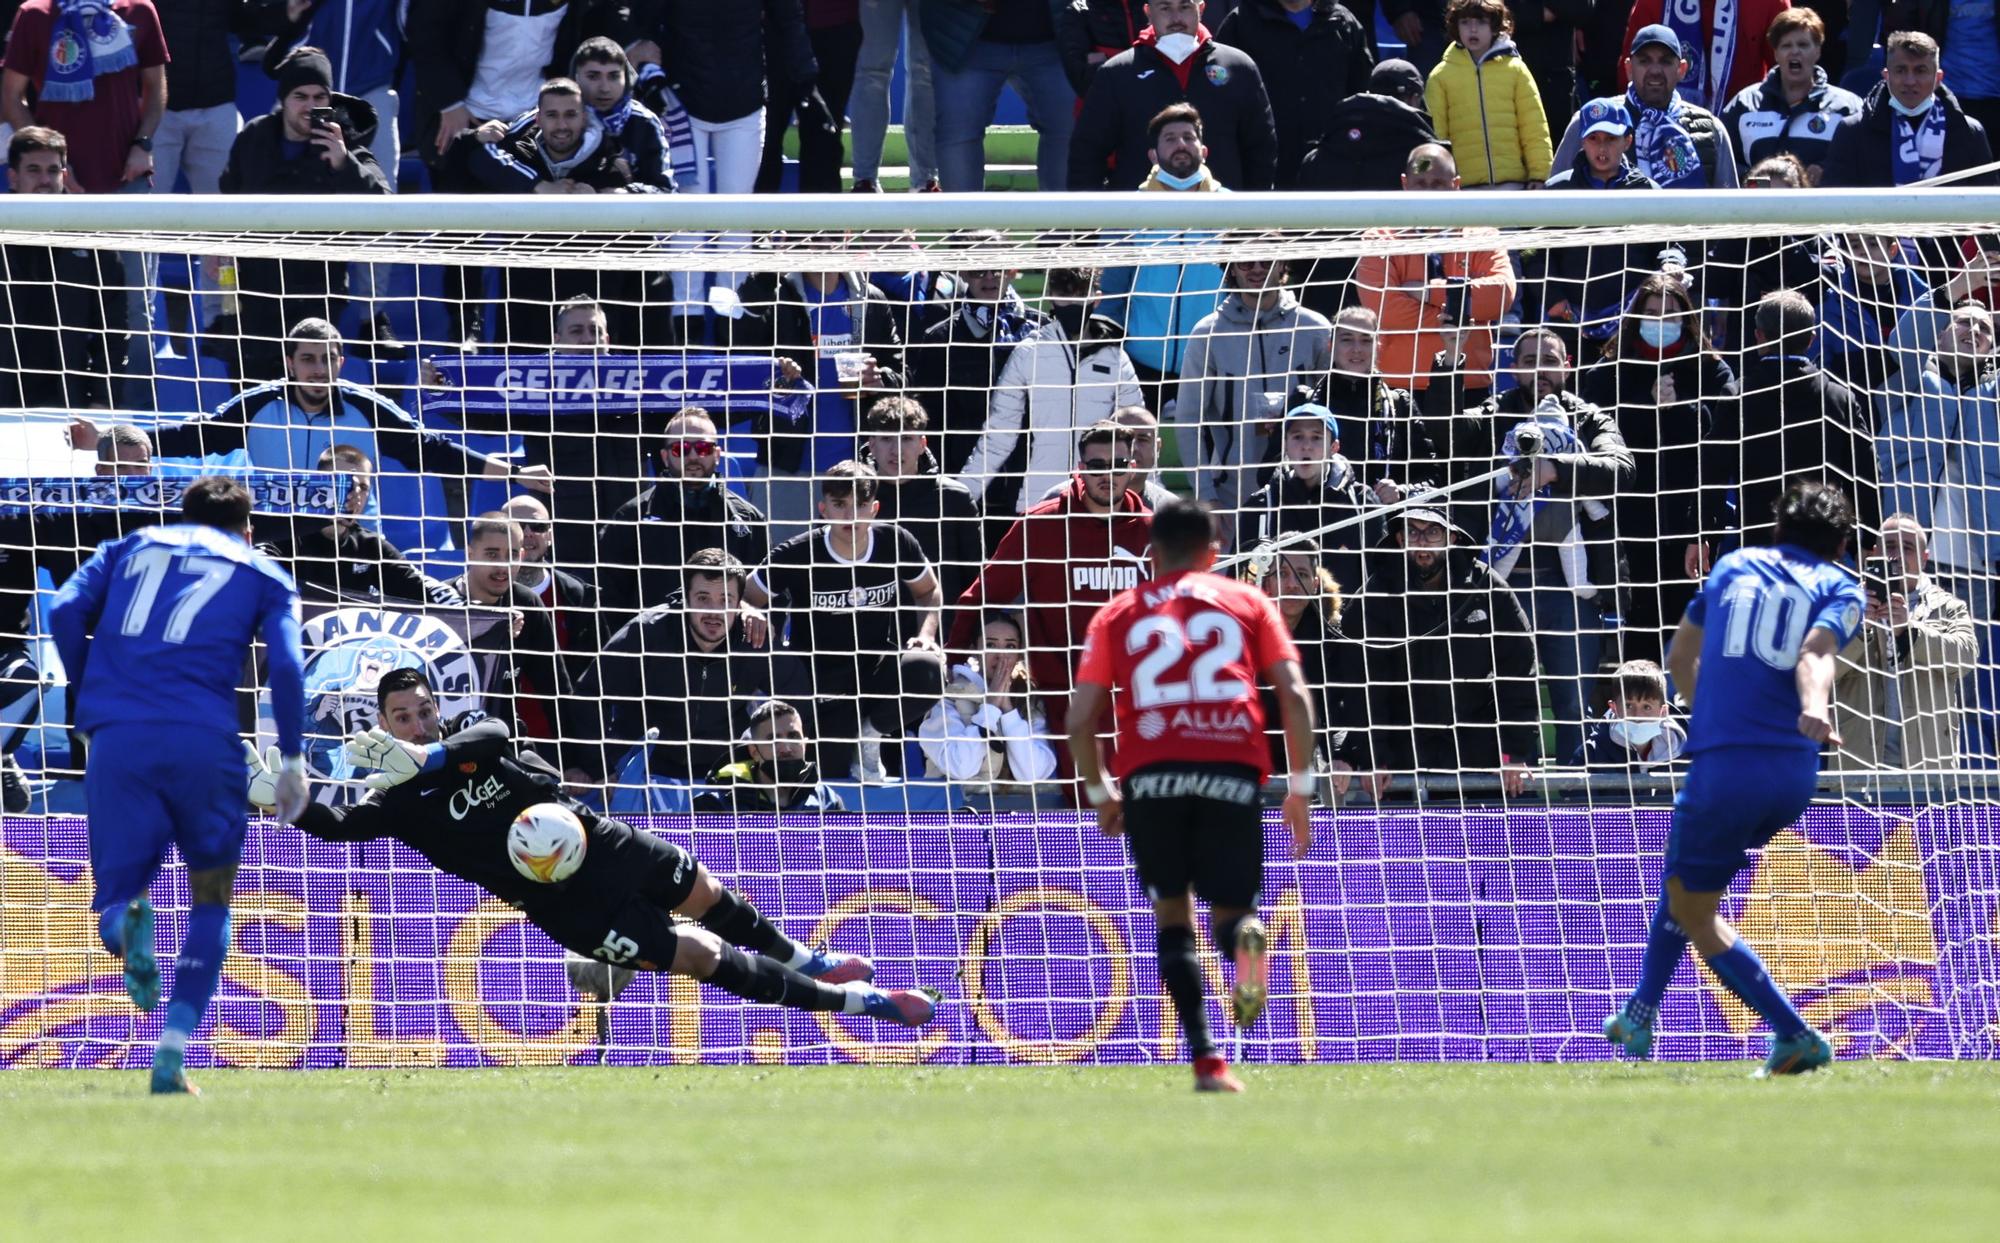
1918 153
680 132
1514 517
1665 149
86 40
1706 83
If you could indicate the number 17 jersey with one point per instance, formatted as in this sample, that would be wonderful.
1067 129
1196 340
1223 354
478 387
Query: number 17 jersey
1756 609
1181 656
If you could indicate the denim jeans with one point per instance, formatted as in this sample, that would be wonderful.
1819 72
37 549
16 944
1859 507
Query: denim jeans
883 23
966 98
1569 634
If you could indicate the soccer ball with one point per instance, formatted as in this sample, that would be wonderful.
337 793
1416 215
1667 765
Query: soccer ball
546 843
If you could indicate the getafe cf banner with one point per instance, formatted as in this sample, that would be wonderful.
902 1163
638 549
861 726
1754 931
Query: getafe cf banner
271 492
1475 935
349 646
546 383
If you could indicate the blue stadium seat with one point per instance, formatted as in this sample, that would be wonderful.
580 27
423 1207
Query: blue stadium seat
185 383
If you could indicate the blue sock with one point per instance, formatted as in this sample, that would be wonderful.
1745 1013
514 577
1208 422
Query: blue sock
1665 943
111 930
196 972
1742 973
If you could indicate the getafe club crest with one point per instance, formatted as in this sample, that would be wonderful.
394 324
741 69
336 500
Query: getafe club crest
348 650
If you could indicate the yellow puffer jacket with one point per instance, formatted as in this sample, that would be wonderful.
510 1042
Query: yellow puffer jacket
1492 115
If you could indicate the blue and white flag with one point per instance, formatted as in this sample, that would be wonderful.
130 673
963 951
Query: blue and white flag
546 384
271 492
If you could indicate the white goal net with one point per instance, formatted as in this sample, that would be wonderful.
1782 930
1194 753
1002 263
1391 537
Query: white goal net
775 525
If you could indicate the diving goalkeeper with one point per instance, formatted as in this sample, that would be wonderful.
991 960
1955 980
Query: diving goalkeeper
450 791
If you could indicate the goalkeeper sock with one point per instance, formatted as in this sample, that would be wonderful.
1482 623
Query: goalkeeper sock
739 923
111 929
1182 973
764 979
1666 942
196 972
1742 972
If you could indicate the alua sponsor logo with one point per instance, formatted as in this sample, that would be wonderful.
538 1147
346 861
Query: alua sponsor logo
1227 722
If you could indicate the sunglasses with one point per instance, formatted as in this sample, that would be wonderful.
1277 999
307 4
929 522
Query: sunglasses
1106 466
537 528
698 448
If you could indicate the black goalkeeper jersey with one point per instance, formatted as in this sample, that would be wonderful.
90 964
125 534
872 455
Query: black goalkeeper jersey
458 816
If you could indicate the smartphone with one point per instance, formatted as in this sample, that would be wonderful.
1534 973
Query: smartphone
1880 576
321 118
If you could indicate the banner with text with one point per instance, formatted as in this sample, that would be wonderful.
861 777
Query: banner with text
1469 935
485 390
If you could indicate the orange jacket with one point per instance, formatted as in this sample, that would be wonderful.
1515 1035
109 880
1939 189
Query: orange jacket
1410 303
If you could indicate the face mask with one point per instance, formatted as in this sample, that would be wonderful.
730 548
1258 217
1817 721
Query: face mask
1660 333
1176 47
1915 112
1637 735
1172 182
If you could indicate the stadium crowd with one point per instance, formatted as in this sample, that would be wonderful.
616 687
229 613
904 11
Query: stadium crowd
896 582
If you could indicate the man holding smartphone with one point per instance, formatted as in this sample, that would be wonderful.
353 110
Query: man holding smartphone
314 142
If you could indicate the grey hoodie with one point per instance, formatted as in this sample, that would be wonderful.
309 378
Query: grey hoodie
1235 356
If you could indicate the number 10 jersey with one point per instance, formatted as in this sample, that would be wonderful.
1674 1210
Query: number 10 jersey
1181 656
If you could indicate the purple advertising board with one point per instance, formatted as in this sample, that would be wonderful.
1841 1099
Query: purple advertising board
1424 935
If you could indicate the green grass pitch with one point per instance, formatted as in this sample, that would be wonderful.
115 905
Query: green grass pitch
1882 1152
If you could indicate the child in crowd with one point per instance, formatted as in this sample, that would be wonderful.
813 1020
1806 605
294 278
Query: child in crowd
1636 730
1483 100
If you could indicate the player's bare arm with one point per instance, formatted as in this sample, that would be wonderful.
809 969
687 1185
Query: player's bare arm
1288 679
1815 681
1086 707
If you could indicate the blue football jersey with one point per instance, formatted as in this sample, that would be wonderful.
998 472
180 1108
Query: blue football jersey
156 629
1755 611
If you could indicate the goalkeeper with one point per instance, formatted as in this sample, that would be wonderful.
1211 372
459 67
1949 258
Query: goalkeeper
450 791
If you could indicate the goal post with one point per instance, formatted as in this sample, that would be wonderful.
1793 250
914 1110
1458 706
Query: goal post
1329 372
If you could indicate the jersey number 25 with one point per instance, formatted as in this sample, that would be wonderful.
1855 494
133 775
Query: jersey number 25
1164 642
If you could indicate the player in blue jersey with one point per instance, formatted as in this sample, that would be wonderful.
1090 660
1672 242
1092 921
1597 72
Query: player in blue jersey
1761 637
155 633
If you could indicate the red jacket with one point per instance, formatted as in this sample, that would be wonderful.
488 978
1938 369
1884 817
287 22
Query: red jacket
1063 563
1753 54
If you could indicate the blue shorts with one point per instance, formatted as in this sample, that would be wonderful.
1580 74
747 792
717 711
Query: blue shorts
1732 802
147 788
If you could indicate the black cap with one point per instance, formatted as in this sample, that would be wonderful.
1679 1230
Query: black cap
306 66
1398 79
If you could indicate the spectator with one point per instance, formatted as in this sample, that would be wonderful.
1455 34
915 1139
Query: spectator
1070 372
1723 44
1868 281
1483 100
521 679
775 774
955 367
1966 38
103 87
1550 532
680 680
1309 600
1549 38
1138 426
1741 270
1447 662
1396 448
572 602
1174 61
342 558
62 322
1063 560
1441 304
200 120
862 604
1681 145
839 331
644 550
1312 54
1797 421
1090 32
976 49
1674 399
1911 128
1795 110
987 730
1636 733
1896 695
1157 302
1314 487
314 142
124 450
287 423
1420 26
835 31
633 132
564 149
473 61
887 27
912 494
1367 137
1588 285
363 41
1244 360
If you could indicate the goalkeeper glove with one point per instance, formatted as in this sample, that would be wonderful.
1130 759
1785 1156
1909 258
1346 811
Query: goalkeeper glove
277 783
263 777
395 761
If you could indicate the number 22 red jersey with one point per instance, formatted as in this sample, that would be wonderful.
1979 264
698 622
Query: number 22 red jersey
1181 655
